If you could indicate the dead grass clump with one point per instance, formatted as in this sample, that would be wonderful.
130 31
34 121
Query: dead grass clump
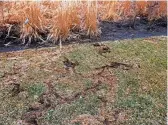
90 19
86 119
33 22
112 11
125 10
156 10
141 8
57 21
61 24
1 13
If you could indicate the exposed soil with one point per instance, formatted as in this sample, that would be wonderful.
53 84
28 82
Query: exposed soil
119 31
110 31
122 66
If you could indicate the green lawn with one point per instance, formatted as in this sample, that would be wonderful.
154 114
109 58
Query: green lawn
116 96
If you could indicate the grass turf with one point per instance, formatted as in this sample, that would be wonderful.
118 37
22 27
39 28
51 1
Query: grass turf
136 96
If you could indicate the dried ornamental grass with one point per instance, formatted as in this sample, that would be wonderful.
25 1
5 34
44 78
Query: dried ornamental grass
156 10
1 13
32 20
62 20
91 20
60 24
110 12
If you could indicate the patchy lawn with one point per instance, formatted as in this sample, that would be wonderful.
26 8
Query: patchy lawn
122 82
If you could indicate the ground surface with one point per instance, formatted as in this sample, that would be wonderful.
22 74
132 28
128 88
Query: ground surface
110 31
114 83
114 31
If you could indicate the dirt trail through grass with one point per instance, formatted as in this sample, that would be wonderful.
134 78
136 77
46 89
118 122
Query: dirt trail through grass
99 84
